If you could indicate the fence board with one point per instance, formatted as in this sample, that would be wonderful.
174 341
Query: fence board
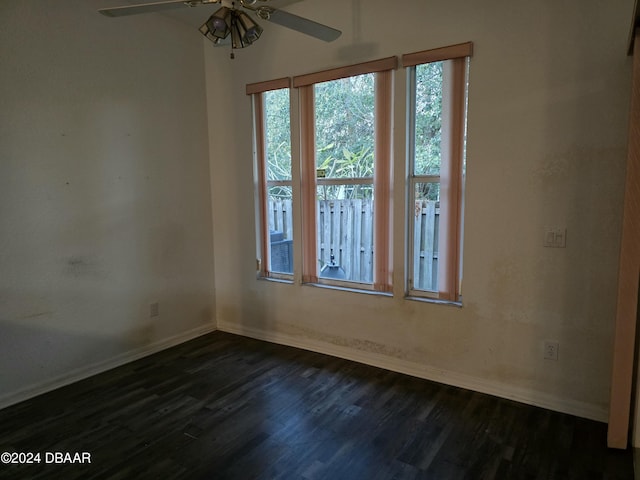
279 214
417 235
334 243
279 218
271 215
346 237
426 250
356 250
346 226
368 240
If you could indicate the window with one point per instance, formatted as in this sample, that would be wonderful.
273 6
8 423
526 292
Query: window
346 175
271 106
340 182
437 93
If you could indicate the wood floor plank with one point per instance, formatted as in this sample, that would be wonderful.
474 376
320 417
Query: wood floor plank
228 407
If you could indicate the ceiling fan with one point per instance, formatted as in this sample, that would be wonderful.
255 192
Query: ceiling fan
233 25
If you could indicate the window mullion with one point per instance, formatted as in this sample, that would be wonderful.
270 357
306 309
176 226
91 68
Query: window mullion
258 109
451 176
382 280
411 156
278 183
345 181
426 178
308 187
294 122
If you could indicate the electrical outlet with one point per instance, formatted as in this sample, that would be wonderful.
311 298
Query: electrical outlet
551 350
154 309
555 237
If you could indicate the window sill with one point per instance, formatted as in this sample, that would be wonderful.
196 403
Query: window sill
434 300
276 280
349 289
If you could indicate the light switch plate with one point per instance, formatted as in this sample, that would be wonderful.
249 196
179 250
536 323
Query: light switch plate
555 237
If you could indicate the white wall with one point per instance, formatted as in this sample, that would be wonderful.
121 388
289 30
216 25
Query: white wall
104 190
106 206
548 108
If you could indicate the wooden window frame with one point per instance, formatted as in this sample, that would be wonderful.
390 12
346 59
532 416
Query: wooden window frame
382 179
304 183
256 91
451 177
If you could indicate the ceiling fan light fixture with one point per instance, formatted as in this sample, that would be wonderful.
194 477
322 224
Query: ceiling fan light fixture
252 30
218 25
244 31
229 25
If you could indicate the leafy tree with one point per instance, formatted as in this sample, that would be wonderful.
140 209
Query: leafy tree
345 122
428 118
428 127
278 140
351 165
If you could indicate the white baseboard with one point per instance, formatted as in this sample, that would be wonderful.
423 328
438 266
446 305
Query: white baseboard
538 399
572 407
99 367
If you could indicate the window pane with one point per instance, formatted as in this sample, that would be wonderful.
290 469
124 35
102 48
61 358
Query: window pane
425 236
428 118
278 160
428 191
277 134
345 232
344 125
279 213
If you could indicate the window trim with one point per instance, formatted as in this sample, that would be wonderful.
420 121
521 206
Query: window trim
256 92
262 87
382 178
383 184
375 66
304 179
451 171
308 179
460 50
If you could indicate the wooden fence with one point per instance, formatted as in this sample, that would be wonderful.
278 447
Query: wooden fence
345 229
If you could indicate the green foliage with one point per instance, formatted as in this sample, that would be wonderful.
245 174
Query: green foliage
428 191
278 134
357 164
345 120
351 165
278 140
345 132
345 112
428 120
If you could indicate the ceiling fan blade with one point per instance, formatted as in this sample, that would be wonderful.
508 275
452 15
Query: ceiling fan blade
152 7
303 25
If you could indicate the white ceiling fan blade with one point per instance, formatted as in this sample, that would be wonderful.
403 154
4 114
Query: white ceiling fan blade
304 25
152 7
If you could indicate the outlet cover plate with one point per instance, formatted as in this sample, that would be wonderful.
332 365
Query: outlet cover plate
551 350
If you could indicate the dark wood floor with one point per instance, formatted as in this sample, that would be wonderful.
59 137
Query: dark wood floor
228 407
